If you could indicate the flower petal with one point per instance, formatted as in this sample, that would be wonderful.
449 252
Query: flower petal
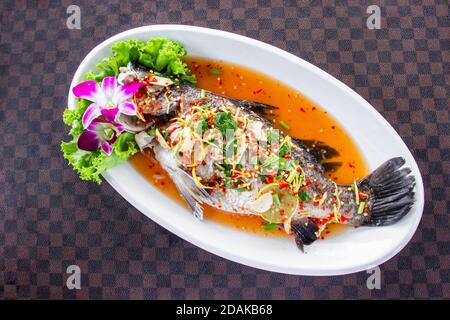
109 85
88 141
110 114
120 128
106 147
113 139
92 112
126 91
88 90
95 122
127 108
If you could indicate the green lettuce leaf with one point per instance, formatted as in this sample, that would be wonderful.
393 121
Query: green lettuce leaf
90 165
73 117
125 145
162 56
159 54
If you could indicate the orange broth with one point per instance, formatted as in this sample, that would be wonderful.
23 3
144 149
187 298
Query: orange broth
305 119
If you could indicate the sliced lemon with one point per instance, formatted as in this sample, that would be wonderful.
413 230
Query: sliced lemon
283 208
262 204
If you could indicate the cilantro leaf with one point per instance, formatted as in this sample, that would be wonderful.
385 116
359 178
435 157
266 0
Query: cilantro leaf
160 54
304 196
224 121
90 165
270 226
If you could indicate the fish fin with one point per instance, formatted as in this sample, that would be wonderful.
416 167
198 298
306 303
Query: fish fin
190 192
390 188
164 118
304 230
261 109
317 149
331 166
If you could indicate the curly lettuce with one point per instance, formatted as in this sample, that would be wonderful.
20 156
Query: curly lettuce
90 165
161 55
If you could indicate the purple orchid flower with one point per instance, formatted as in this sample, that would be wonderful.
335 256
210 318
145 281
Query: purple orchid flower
100 133
108 100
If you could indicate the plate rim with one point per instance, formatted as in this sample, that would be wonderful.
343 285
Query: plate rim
294 59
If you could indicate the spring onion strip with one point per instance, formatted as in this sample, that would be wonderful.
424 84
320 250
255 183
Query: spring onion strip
337 207
216 72
291 177
284 125
276 199
270 161
355 189
361 207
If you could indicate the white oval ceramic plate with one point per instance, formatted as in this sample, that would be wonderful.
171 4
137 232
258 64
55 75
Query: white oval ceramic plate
353 250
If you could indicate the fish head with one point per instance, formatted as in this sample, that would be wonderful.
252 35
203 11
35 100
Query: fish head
154 97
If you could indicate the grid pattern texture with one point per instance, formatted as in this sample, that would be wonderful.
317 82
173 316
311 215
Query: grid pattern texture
49 219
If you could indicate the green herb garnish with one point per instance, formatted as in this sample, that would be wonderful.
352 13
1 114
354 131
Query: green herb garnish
270 161
90 165
270 226
284 150
361 207
162 56
276 199
291 176
216 72
304 196
273 137
201 126
159 54
224 121
226 169
284 125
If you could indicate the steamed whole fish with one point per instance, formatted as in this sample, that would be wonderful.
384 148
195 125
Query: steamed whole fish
226 153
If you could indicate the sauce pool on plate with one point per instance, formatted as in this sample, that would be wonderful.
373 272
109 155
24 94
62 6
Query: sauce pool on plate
296 116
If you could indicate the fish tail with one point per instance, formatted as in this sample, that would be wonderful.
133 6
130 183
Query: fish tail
390 193
388 197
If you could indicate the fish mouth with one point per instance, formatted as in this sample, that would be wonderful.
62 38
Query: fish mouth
151 98
150 111
135 124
